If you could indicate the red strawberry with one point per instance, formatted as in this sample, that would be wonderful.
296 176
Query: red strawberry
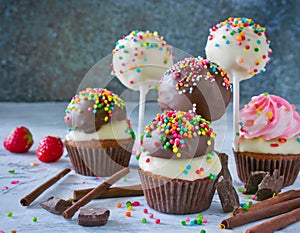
19 140
50 149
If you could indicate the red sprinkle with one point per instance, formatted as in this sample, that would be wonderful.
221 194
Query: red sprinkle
157 221
136 203
274 144
145 211
147 160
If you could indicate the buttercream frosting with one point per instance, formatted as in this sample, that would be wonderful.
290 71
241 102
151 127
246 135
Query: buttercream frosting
269 124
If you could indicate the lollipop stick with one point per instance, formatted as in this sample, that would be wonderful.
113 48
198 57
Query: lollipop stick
236 107
143 93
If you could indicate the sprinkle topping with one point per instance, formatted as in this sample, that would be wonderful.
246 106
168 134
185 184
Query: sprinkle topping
190 70
176 127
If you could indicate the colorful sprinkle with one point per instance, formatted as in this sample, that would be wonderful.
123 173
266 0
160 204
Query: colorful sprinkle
144 220
119 205
34 219
127 214
157 221
9 214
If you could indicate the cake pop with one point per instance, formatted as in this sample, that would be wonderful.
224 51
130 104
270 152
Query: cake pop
141 58
240 47
139 61
197 85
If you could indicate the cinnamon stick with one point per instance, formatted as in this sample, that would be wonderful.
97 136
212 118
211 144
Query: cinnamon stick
27 200
276 223
69 213
123 191
281 197
266 212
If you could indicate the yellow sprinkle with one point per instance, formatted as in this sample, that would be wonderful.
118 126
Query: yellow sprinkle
175 149
269 115
208 142
181 169
178 155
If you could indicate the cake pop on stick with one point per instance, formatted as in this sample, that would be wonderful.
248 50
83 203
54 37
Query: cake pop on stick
139 61
239 46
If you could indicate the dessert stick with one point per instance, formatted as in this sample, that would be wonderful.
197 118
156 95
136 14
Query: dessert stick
276 223
122 191
281 197
266 212
26 201
68 213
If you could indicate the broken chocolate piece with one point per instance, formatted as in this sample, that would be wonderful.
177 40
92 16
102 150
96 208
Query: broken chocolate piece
224 162
55 205
254 180
89 217
270 185
227 194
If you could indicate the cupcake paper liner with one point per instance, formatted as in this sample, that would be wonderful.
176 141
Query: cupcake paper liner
99 161
287 165
175 196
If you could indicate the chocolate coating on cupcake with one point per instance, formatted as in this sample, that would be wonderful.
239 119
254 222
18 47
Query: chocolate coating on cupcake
197 85
178 135
89 110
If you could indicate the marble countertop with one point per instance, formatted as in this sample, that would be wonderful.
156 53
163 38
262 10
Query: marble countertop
18 178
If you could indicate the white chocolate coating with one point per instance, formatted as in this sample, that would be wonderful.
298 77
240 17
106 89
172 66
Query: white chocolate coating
115 130
140 59
239 46
184 169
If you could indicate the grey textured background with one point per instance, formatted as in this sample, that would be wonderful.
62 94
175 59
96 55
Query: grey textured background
46 47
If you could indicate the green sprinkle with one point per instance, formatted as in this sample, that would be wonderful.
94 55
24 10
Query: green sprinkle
9 214
34 219
202 231
11 171
144 220
125 179
245 207
240 189
183 223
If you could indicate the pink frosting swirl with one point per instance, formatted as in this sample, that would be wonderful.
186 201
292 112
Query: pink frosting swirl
269 116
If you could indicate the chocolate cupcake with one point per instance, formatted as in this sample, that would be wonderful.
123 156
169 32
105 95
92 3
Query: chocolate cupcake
197 85
269 138
100 138
178 165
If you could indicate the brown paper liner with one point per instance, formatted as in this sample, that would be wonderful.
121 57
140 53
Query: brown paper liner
287 165
99 161
175 196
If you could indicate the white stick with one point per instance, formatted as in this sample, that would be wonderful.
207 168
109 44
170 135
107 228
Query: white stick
236 109
143 92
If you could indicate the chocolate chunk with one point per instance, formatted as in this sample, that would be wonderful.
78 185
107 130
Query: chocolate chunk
227 194
270 185
224 162
254 180
55 205
89 217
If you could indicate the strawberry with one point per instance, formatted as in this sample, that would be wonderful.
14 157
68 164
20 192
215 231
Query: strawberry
19 140
50 149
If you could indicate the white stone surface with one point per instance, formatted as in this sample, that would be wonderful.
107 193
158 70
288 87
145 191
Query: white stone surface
47 119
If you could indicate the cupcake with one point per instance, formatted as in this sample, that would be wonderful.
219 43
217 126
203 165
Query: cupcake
197 85
100 137
269 138
178 166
